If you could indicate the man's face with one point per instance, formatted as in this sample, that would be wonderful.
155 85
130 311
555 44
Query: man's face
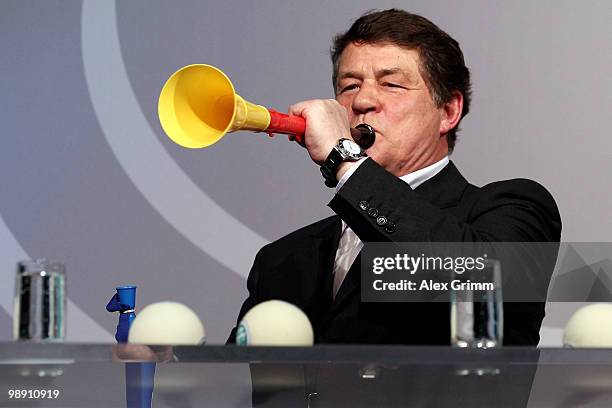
380 84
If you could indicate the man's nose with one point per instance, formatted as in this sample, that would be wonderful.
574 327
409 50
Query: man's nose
366 100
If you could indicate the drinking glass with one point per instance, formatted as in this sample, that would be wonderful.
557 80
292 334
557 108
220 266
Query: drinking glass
40 301
477 310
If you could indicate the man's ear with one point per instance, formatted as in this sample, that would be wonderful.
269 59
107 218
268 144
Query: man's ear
451 112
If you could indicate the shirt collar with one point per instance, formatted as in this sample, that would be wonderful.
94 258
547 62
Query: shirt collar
416 178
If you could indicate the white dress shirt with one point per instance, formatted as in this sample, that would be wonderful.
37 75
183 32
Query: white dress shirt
350 245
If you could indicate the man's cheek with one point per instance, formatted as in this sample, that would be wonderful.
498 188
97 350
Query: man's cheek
344 101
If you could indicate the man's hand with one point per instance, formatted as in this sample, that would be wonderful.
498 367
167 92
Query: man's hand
139 352
326 122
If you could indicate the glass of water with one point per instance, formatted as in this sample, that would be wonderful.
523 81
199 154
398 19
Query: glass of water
40 301
477 307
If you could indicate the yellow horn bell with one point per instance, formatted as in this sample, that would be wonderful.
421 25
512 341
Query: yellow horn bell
198 105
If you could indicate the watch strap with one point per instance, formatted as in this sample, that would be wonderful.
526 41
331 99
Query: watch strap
329 169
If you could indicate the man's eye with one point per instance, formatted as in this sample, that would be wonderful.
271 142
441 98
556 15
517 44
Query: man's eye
349 87
390 85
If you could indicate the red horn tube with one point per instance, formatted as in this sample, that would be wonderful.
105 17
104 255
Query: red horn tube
295 127
287 125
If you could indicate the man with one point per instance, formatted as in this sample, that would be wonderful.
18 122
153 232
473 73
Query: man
402 75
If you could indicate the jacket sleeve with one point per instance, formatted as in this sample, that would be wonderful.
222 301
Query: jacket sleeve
252 299
508 211
511 211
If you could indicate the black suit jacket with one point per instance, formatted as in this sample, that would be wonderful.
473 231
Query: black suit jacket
298 267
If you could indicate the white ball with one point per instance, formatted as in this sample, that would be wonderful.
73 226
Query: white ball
167 323
590 326
275 323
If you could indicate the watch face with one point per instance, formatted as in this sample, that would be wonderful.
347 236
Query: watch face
351 147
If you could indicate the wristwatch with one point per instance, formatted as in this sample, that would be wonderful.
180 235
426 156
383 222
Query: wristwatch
344 150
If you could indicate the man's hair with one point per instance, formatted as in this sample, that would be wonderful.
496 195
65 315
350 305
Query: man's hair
442 64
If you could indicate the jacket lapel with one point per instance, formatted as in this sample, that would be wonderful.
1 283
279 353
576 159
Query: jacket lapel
445 188
351 283
325 243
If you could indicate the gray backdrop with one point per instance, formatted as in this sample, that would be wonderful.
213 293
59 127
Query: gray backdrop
88 177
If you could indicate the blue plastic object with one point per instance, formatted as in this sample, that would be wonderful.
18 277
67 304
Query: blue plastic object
139 377
124 302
